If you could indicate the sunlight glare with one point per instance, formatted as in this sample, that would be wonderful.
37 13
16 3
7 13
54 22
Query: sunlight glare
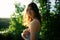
7 7
24 2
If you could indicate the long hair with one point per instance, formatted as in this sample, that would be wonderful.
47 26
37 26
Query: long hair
27 19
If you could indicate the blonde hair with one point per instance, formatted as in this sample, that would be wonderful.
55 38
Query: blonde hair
26 18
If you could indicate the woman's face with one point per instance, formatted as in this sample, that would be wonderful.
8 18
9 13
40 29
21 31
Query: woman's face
29 11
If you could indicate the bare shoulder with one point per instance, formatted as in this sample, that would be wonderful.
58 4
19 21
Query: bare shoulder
35 25
35 22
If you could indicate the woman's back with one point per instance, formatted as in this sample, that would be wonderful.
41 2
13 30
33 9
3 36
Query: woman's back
36 25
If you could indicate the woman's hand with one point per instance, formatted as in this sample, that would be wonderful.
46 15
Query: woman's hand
23 36
24 33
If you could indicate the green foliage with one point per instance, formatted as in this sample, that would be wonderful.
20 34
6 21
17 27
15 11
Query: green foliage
16 26
50 23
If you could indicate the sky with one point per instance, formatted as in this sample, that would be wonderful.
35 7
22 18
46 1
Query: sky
7 6
52 4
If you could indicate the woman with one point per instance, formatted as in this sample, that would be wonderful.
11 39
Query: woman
31 19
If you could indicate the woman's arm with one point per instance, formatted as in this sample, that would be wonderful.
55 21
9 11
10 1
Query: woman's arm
23 36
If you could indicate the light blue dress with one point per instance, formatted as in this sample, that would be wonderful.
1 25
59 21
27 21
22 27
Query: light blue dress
37 36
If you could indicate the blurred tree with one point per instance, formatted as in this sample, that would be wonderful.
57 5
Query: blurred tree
57 20
16 26
45 10
51 21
